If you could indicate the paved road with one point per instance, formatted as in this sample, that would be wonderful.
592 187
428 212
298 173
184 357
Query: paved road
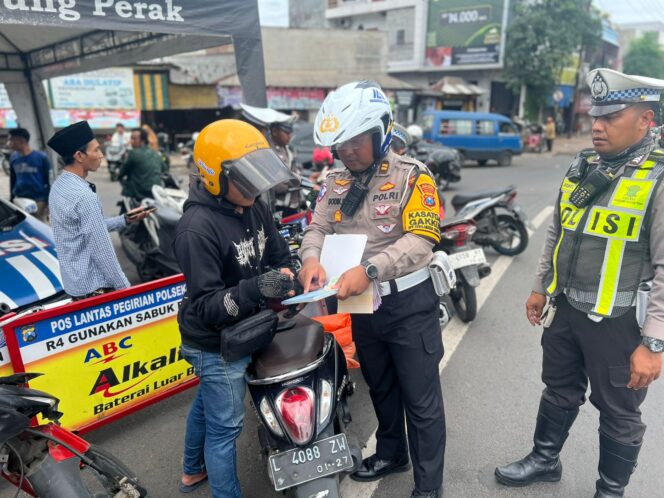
490 381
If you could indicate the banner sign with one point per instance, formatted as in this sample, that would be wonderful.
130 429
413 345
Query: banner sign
202 17
104 89
5 103
98 119
109 358
277 98
463 34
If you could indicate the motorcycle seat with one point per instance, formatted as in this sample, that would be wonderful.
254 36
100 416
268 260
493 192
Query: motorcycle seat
453 220
463 199
290 350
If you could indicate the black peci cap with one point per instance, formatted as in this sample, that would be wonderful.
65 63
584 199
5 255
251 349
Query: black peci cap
72 138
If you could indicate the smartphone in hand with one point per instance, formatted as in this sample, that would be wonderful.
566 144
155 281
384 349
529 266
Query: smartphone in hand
145 209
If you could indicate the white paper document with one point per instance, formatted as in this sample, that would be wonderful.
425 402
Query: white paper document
339 254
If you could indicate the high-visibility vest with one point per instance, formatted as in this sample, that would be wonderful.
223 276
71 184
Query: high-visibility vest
602 253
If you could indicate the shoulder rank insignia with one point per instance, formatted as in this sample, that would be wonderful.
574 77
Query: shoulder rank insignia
383 169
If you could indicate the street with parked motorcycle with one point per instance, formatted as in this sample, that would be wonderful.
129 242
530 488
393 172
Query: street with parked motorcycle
490 376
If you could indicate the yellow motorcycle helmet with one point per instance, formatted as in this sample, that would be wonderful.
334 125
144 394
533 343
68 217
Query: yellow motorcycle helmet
232 150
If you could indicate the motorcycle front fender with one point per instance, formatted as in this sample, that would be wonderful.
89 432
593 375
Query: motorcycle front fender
470 275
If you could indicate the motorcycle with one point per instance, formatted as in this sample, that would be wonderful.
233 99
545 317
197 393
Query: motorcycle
299 385
49 461
292 227
115 154
148 244
443 162
501 223
469 264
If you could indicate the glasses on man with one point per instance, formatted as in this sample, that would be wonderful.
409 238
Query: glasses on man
354 143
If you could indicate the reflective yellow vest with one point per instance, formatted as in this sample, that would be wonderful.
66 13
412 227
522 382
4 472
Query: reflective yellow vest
603 250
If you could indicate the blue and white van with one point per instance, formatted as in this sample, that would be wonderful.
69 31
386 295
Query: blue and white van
480 136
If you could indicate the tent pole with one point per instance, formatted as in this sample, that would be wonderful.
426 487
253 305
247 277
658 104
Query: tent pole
33 100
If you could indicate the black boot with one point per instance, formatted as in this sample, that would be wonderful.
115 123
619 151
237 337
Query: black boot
617 462
543 463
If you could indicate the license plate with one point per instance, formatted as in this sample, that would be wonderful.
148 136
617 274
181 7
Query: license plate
322 458
467 258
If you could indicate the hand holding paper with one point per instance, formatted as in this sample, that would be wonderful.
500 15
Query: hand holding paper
340 253
353 282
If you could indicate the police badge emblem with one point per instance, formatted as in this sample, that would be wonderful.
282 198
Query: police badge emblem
599 87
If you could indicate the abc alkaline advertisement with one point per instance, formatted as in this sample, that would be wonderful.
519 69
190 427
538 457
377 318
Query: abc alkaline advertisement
105 359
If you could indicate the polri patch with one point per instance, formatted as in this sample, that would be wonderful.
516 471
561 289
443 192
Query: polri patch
382 210
428 192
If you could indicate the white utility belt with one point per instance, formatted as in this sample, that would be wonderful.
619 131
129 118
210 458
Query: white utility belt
405 282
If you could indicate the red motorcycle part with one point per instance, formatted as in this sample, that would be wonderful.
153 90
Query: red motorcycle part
59 452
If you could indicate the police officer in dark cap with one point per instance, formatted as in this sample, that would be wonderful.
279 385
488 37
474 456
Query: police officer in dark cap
602 270
88 263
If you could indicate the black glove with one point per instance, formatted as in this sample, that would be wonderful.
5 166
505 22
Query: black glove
274 284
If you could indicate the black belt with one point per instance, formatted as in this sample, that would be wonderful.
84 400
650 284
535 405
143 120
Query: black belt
97 292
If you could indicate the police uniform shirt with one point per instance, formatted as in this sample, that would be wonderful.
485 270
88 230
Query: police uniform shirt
400 216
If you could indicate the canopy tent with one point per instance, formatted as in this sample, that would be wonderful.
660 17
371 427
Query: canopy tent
42 39
449 85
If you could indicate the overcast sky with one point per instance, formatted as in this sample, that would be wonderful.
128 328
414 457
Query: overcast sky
628 11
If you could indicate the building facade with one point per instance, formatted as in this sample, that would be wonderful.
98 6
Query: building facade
450 51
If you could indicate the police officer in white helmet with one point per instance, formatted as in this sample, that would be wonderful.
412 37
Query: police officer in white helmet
394 201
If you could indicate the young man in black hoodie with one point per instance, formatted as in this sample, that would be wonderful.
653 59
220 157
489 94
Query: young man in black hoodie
233 258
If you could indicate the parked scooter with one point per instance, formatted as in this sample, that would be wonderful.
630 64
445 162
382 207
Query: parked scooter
148 244
444 162
49 461
501 222
292 227
299 386
469 264
115 155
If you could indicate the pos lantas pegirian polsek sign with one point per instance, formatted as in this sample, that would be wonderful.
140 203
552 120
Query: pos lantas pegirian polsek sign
105 356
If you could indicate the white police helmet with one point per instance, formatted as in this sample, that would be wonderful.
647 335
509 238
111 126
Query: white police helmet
351 110
415 132
398 131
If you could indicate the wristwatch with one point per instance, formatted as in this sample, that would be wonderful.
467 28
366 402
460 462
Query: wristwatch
654 345
370 269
